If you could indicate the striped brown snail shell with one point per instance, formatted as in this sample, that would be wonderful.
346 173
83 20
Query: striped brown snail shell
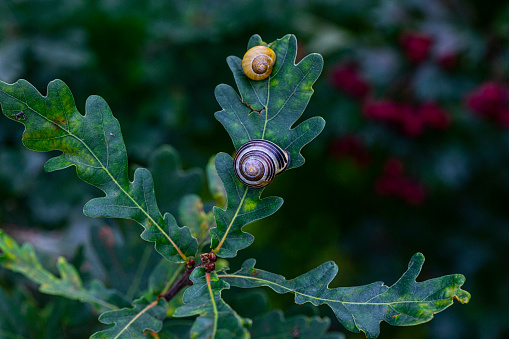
258 62
257 162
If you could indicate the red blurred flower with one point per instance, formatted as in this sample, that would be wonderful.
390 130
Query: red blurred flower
489 99
411 122
410 119
416 45
347 78
434 116
393 183
393 167
447 60
381 110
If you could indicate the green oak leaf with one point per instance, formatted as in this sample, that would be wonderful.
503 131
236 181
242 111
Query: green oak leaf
216 187
23 260
129 323
20 322
216 319
93 143
267 109
124 259
244 206
192 215
274 325
362 308
171 181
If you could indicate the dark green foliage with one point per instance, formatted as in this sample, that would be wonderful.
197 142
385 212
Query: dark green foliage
274 325
118 254
216 319
171 182
132 322
93 143
167 102
69 285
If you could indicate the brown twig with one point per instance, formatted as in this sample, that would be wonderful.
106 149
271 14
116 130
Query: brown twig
207 261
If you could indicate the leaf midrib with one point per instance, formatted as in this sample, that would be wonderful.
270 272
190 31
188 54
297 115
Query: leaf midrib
268 282
148 307
232 221
214 307
101 164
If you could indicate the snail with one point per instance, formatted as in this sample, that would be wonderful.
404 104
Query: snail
257 63
257 162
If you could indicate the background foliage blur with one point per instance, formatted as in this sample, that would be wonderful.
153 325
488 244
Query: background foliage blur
413 157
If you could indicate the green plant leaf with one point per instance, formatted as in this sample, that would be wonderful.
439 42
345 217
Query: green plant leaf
20 317
216 319
216 187
93 143
130 323
362 308
267 109
274 325
171 182
192 215
244 206
23 260
124 259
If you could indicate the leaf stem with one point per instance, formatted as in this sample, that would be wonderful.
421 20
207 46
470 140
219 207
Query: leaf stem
172 279
267 283
179 284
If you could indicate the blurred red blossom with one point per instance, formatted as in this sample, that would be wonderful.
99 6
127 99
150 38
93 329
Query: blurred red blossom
411 119
434 116
416 45
351 146
346 77
393 183
490 100
448 60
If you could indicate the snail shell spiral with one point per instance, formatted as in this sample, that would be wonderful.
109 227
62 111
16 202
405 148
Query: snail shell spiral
257 162
258 62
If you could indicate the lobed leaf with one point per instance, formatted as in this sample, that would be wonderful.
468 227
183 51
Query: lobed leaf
244 206
267 109
123 258
216 187
69 285
130 323
171 181
93 143
274 325
216 319
192 215
362 308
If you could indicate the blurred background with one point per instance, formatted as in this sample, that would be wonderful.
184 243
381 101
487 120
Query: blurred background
413 158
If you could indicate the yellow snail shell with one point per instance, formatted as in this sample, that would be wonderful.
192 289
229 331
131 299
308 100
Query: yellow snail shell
257 162
258 62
